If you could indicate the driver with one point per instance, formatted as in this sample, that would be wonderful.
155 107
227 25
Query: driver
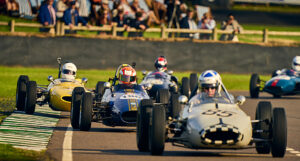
295 71
127 76
161 64
68 71
209 85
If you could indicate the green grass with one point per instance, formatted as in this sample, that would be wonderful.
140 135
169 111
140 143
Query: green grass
9 77
267 8
9 153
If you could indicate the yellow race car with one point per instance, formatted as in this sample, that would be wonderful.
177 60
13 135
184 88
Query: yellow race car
58 94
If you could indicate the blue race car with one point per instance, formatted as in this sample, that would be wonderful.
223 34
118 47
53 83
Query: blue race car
283 82
113 105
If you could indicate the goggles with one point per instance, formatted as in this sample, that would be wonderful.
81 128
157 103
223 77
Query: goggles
126 78
66 71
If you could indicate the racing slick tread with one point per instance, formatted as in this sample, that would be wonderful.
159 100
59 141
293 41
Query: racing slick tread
185 86
254 89
21 92
158 131
193 81
263 112
163 96
85 118
30 100
175 106
142 134
75 106
279 131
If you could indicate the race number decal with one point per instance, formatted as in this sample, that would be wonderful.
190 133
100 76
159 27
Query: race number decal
219 113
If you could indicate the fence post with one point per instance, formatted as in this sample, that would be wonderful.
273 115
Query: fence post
114 29
265 35
62 29
215 34
12 25
58 28
163 32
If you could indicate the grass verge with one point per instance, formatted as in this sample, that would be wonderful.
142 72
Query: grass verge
9 153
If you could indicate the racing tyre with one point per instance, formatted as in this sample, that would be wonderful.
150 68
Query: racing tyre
21 92
99 90
175 107
85 116
75 106
30 99
185 86
142 126
163 96
254 85
157 131
274 74
279 132
263 112
193 81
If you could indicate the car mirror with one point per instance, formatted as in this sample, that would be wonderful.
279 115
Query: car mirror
84 80
50 78
240 100
144 72
170 72
107 85
183 99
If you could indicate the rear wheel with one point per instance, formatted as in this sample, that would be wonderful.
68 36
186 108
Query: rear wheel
263 112
163 96
21 92
99 90
30 99
193 81
75 106
157 131
254 85
279 132
85 116
175 107
185 86
142 132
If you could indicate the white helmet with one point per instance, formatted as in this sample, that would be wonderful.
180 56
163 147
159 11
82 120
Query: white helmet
210 78
68 71
296 63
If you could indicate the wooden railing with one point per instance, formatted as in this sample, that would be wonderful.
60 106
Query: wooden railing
61 27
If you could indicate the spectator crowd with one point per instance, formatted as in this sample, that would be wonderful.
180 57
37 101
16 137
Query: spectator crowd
139 14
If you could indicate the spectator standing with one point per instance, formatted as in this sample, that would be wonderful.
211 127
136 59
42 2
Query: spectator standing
187 22
121 20
83 9
149 16
138 24
61 6
95 7
105 16
47 15
231 24
207 22
160 10
12 8
71 17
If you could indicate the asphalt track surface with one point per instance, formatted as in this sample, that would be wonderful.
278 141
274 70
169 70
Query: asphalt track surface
119 143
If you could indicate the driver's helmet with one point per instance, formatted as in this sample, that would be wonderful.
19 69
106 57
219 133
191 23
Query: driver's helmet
68 71
296 63
161 64
210 79
127 75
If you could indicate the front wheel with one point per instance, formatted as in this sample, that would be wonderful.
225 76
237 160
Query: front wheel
175 107
21 92
185 86
264 114
279 131
30 100
142 126
85 116
75 106
254 85
157 131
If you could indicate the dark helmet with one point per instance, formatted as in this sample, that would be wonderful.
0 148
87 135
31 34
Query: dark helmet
161 64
